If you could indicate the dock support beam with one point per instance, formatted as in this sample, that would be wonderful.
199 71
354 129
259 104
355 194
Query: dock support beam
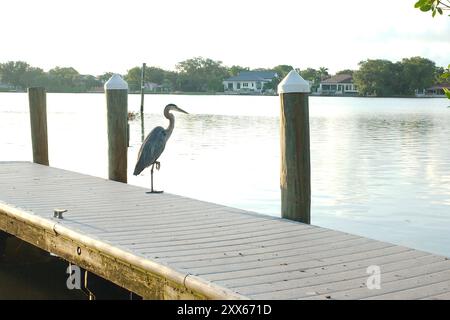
3 237
295 176
38 119
116 90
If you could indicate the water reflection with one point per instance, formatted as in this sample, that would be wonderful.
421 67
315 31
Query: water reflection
380 167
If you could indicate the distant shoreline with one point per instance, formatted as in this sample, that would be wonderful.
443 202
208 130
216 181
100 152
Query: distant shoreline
235 95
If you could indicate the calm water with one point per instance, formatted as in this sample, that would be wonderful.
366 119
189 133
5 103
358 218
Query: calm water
380 167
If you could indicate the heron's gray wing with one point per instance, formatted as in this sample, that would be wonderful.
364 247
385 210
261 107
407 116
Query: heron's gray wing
151 149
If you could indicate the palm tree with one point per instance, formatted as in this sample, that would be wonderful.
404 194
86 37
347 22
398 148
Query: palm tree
323 73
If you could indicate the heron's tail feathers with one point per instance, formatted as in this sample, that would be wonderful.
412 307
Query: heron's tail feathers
137 170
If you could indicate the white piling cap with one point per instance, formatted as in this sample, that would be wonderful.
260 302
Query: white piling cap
116 83
293 82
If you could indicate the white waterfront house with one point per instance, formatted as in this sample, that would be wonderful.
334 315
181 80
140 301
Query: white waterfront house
340 84
5 86
435 91
249 81
151 86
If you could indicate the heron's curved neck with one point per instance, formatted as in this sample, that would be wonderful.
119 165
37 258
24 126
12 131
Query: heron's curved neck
171 118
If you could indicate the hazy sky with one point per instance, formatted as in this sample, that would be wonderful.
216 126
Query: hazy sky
96 36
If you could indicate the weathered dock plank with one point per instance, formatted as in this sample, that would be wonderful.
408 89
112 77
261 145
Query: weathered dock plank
163 246
409 256
390 271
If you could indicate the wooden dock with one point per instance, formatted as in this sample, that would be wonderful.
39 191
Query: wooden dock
163 246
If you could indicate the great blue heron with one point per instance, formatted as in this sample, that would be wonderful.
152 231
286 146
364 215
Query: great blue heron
153 146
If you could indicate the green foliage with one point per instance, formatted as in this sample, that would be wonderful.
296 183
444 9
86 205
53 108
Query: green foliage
385 78
67 79
376 77
282 70
346 71
20 75
309 74
417 73
272 85
105 77
445 74
152 74
445 77
133 77
155 75
447 93
435 6
315 76
200 75
380 77
61 78
234 70
323 73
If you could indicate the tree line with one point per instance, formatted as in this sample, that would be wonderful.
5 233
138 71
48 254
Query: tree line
19 75
386 78
374 76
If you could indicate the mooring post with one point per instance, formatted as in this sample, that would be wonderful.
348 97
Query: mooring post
38 119
142 102
142 87
116 90
295 177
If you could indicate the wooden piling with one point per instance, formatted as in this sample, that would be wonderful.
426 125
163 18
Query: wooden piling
142 102
295 177
38 119
116 90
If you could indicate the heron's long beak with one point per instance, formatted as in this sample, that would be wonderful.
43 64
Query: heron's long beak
180 110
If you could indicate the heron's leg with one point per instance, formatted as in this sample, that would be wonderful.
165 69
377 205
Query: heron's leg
158 165
151 171
151 175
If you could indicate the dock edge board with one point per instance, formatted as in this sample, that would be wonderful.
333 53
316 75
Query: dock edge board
143 277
